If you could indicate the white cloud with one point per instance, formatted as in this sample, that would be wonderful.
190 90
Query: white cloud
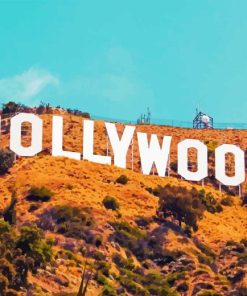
25 86
111 77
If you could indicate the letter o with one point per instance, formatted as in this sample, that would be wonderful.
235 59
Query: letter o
220 165
15 134
202 160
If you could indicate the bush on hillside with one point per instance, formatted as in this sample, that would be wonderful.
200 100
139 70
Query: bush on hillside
32 243
209 201
111 203
122 180
108 290
42 194
22 251
227 201
6 160
9 214
155 191
142 221
71 222
12 107
181 204
128 236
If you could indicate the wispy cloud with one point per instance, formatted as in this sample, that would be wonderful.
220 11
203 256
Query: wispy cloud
26 86
111 77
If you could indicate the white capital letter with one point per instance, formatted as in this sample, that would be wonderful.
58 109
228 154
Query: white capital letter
152 153
120 147
15 134
202 160
57 140
220 164
88 141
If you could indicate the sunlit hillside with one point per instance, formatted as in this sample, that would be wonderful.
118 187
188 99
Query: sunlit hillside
130 249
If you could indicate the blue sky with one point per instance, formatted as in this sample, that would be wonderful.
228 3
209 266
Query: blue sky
115 58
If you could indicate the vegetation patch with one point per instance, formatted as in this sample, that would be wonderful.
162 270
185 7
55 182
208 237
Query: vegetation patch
22 251
122 180
181 204
227 201
71 222
111 203
42 194
6 160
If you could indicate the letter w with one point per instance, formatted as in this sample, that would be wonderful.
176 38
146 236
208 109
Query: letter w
151 153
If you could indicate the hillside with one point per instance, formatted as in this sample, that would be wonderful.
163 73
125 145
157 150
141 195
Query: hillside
145 249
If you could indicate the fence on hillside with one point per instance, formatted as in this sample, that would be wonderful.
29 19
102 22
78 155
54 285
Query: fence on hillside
174 123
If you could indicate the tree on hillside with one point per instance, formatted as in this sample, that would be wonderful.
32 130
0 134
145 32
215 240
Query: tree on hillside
12 107
181 204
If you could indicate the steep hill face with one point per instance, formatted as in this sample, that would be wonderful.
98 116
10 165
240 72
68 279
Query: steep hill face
130 249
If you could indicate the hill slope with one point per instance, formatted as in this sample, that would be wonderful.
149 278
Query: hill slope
147 246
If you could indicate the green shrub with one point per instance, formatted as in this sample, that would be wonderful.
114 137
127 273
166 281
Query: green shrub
108 290
227 201
97 255
69 221
123 263
182 204
103 267
145 284
155 191
33 207
4 227
12 107
33 244
127 236
21 250
142 221
39 194
206 250
101 279
183 287
6 160
231 243
9 214
210 203
204 259
111 203
98 240
149 189
122 180
244 242
132 287
172 278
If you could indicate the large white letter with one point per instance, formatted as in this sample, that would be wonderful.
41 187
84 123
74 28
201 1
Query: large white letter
57 140
202 160
220 165
120 147
88 143
152 153
15 134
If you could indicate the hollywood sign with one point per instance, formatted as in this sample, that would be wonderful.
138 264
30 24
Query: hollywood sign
150 151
